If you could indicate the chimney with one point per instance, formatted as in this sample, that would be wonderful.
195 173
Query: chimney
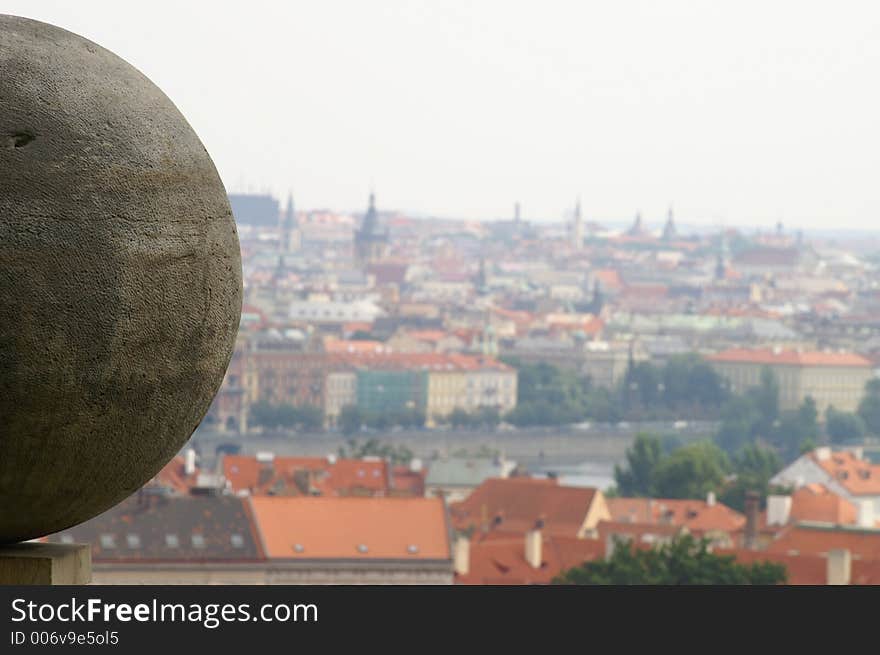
866 513
710 499
533 548
415 465
462 555
823 454
839 567
189 461
778 510
331 459
752 506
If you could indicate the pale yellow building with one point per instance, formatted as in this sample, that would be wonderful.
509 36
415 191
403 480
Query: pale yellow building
831 378
469 382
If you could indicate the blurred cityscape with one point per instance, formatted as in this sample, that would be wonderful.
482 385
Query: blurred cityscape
437 401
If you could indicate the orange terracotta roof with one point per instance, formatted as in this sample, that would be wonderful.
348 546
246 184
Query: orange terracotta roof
334 345
520 502
801 569
173 475
789 357
431 336
351 328
815 502
425 361
809 569
405 480
818 538
306 475
352 528
696 515
641 534
502 561
858 476
608 278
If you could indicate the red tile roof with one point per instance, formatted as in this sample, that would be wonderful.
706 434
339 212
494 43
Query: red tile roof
306 475
696 515
808 569
425 361
815 502
501 561
789 357
818 538
801 569
352 528
173 476
516 504
859 477
335 345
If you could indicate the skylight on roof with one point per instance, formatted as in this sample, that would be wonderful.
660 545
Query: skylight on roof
298 548
362 548
236 540
171 541
108 541
133 540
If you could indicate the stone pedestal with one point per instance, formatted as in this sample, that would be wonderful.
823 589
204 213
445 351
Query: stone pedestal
33 563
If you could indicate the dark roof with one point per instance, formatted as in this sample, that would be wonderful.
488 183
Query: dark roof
152 527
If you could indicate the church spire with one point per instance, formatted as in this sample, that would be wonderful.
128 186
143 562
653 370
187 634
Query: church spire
289 213
577 228
290 234
636 228
669 231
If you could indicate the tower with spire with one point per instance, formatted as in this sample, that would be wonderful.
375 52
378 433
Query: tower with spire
669 231
291 237
370 241
577 227
636 229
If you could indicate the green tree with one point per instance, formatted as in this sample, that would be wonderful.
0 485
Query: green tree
796 429
753 467
373 448
740 422
766 399
690 472
548 395
844 426
309 417
459 418
691 384
350 419
642 459
869 407
683 561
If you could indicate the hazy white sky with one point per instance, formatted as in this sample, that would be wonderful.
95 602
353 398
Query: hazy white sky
745 111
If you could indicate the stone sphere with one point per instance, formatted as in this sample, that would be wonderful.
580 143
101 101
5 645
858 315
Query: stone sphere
120 279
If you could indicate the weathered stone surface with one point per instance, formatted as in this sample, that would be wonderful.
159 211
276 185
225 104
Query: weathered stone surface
120 279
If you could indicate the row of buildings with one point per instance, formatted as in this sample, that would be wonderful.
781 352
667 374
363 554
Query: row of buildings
266 520
369 309
370 379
